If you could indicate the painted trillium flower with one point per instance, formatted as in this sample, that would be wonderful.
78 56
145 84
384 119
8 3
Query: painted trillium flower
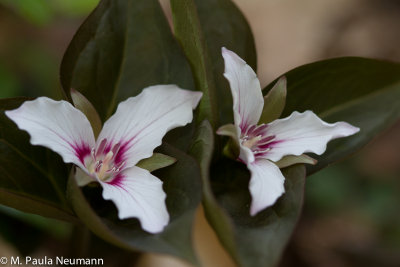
262 147
131 134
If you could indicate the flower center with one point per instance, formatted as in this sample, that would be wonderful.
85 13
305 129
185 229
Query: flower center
256 139
251 142
102 161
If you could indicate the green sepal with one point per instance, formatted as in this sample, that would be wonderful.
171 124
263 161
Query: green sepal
292 160
155 162
84 105
232 148
274 102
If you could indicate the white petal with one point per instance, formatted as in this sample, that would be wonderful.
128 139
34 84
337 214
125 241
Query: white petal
56 125
304 132
246 155
137 193
248 101
266 184
141 122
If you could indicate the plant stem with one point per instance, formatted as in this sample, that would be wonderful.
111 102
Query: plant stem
79 242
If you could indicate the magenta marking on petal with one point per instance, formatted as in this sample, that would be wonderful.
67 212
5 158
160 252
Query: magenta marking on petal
243 126
108 147
276 142
266 148
81 151
116 148
101 147
272 144
249 129
266 139
120 156
117 180
259 130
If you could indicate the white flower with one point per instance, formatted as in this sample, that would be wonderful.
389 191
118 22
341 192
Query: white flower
131 134
262 146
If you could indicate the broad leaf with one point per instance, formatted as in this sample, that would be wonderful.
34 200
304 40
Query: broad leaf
259 240
223 25
363 92
202 150
183 187
32 179
372 113
123 47
251 241
189 34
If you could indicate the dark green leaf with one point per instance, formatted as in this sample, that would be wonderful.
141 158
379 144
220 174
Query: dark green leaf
372 113
182 185
189 34
259 240
224 25
123 47
251 241
363 92
32 179
202 150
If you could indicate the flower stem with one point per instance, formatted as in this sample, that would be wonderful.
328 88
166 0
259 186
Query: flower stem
79 242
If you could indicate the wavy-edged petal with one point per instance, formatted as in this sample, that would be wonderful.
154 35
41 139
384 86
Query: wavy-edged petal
140 122
266 184
302 133
138 194
248 101
246 155
56 125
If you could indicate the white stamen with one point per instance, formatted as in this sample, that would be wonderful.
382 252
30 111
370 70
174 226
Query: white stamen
93 153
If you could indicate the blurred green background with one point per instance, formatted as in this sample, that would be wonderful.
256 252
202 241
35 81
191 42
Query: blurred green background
352 209
33 36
